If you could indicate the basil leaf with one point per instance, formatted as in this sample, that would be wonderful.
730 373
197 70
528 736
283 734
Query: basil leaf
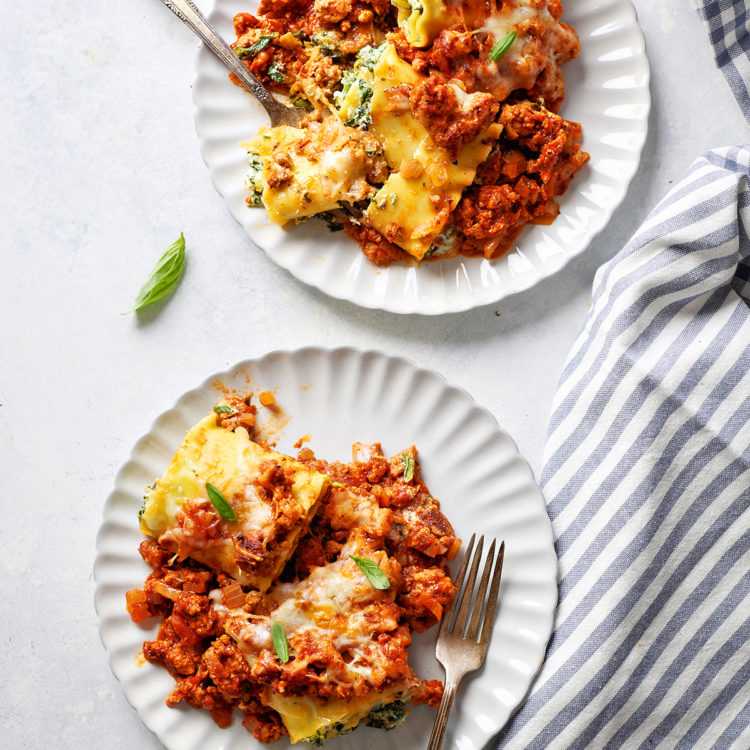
164 277
280 642
372 570
408 467
501 47
219 502
224 409
248 53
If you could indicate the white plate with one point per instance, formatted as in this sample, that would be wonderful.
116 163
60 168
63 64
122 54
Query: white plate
607 92
337 397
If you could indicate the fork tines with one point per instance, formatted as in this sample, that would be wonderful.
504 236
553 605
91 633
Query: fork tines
465 594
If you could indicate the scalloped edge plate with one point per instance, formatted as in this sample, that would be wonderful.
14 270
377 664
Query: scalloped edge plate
608 92
337 397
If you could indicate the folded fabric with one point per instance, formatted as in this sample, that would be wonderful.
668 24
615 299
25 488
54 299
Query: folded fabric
728 26
647 475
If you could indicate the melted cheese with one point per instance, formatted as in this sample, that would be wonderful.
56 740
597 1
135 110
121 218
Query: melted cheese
231 462
320 178
519 67
331 601
421 20
512 15
335 604
418 204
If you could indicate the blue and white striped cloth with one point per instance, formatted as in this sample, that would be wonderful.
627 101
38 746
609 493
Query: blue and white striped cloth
647 475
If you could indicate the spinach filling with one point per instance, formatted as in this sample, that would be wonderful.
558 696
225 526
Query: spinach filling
382 716
360 79
254 180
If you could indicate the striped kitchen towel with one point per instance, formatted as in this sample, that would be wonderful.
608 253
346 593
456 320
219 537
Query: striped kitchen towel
647 475
728 24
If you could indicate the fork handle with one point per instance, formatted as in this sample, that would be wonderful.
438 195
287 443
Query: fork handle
187 12
441 720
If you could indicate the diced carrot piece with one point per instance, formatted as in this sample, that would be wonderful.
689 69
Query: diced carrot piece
454 549
267 398
137 605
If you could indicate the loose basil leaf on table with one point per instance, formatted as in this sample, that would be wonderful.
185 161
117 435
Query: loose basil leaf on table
164 277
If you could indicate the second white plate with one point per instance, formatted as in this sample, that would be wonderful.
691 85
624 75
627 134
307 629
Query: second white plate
337 397
607 92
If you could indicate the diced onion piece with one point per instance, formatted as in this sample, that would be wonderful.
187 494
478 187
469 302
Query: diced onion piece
196 587
434 549
233 596
166 591
434 607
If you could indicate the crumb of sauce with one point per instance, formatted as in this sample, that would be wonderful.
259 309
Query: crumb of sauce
303 439
272 423
272 430
139 658
270 426
217 385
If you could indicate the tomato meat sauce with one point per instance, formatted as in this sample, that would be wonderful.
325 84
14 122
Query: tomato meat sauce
380 501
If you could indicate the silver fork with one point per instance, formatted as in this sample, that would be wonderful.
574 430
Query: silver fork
279 113
461 653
